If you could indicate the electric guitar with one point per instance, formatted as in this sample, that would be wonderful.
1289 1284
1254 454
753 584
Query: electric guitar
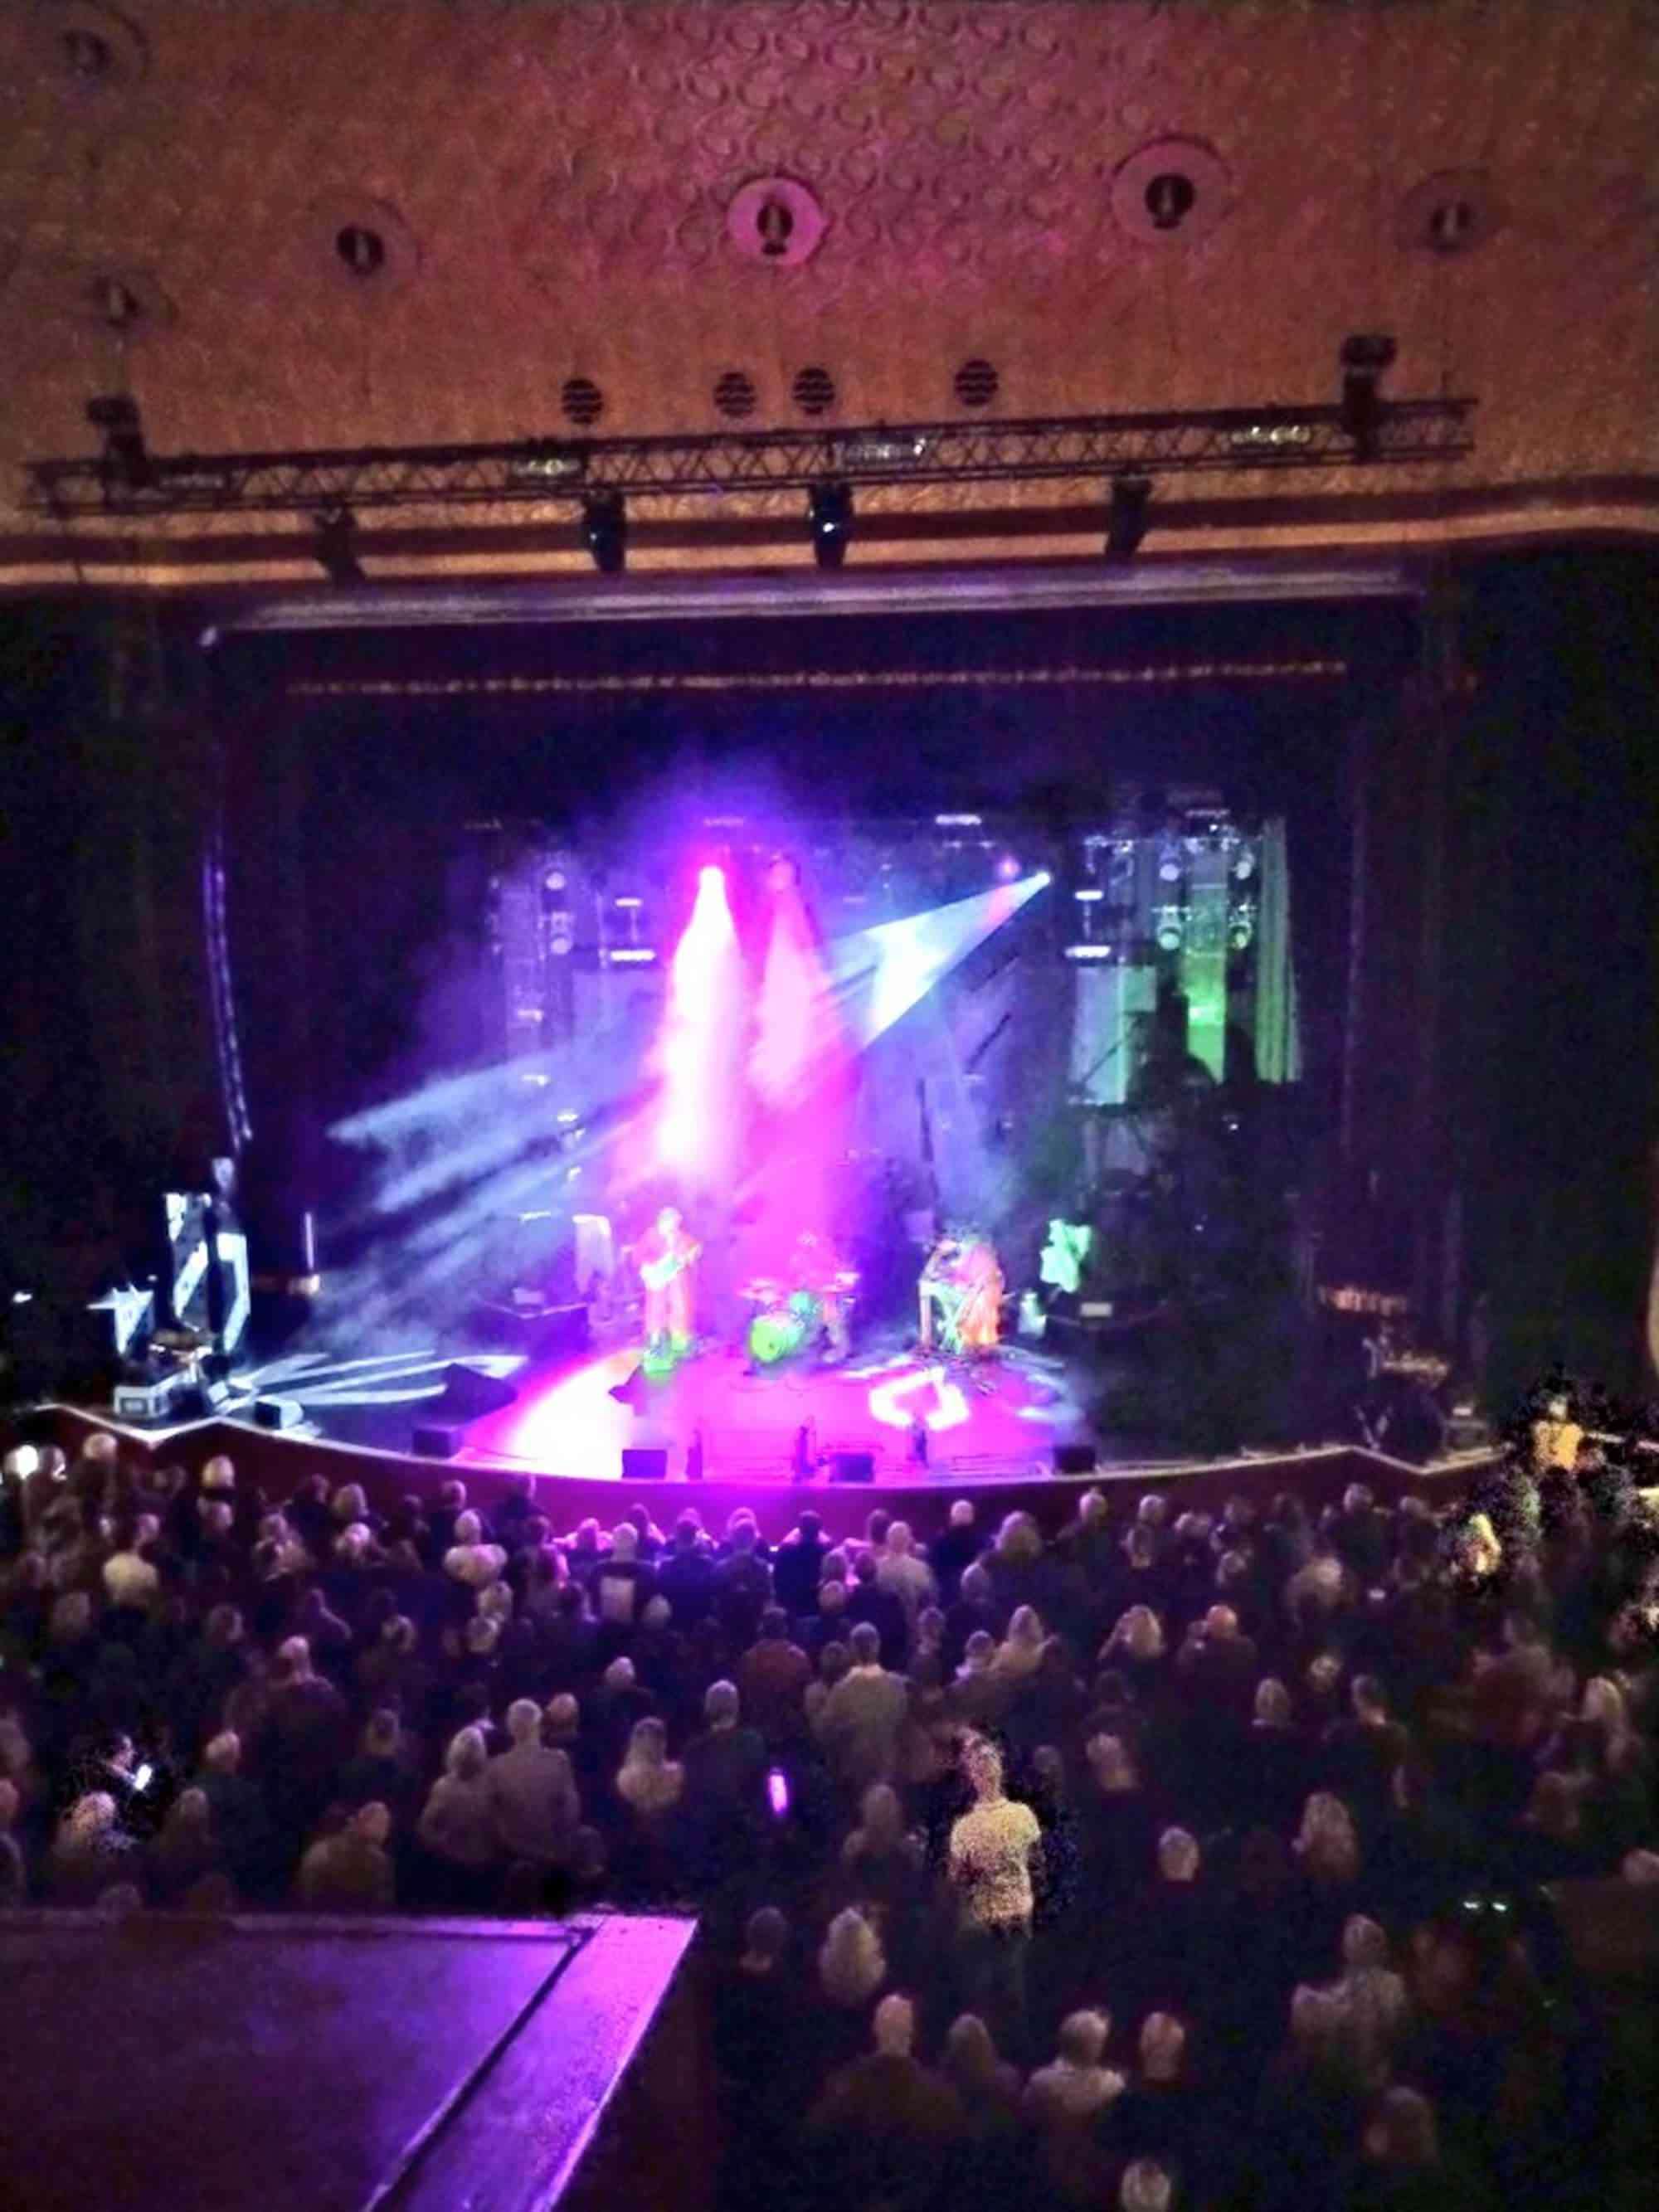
657 1274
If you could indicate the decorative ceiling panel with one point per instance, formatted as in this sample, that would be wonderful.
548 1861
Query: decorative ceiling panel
308 223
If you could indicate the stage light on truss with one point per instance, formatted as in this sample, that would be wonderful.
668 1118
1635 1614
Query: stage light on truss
1245 866
1088 894
336 546
1365 355
884 451
1169 865
1126 516
1169 934
829 508
630 956
1090 952
125 460
958 822
1007 869
605 530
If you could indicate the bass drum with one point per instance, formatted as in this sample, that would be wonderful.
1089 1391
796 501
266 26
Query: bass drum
774 1335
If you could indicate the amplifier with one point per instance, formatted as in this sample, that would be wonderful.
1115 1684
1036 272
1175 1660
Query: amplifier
152 1401
278 1413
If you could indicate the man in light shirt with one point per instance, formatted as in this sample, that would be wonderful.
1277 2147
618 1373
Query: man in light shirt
993 1848
128 1578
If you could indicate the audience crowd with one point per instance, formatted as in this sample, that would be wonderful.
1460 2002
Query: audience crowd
1175 1860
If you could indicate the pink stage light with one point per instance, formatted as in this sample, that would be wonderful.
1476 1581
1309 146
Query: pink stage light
795 1024
800 1071
699 1118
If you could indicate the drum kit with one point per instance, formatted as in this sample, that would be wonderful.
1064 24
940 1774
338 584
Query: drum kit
785 1321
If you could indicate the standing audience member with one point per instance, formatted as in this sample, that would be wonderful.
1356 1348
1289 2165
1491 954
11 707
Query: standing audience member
349 1871
886 2123
1066 2101
458 1828
993 1848
772 1679
531 1795
863 1715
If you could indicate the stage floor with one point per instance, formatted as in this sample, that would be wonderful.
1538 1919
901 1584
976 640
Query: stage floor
1002 1418
999 1419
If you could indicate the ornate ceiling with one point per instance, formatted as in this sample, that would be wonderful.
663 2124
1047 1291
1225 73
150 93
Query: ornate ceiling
291 223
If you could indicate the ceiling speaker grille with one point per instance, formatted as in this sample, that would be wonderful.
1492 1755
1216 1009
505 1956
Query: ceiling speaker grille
583 401
734 394
814 391
977 383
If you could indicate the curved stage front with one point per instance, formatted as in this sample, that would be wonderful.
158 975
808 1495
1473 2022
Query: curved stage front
279 1462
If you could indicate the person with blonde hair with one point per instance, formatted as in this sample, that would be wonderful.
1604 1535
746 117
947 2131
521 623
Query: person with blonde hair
1373 1998
469 1560
1146 2187
1136 1645
457 1825
348 1504
1077 2084
1326 1843
90 1852
1020 1653
648 1780
852 1964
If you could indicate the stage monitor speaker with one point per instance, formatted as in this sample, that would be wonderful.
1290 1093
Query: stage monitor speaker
645 1463
278 1413
468 1393
852 1466
436 1440
1075 1459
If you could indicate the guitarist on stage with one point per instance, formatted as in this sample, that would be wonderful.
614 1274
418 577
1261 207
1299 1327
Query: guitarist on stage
667 1256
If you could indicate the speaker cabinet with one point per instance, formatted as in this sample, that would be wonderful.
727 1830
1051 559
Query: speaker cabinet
436 1440
852 1466
278 1413
1075 1459
645 1463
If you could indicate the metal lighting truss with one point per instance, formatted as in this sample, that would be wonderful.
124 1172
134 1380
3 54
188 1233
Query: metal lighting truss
567 471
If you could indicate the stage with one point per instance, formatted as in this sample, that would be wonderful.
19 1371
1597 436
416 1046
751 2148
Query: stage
999 1418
